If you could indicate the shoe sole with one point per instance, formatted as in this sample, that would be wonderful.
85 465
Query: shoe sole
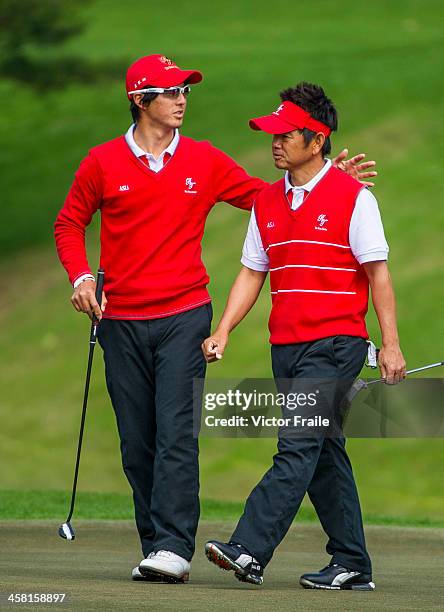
365 586
146 578
216 556
157 576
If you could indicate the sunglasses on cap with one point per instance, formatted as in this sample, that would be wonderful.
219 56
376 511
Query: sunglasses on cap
170 92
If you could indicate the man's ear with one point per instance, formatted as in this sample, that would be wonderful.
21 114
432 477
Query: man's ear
137 99
318 143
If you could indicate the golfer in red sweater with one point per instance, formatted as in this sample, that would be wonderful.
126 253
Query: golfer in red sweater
154 189
318 232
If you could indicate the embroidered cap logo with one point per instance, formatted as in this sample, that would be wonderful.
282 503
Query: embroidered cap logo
168 63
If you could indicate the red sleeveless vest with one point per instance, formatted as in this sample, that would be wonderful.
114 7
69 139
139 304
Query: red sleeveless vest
318 288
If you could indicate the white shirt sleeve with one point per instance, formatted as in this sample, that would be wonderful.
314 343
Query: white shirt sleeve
253 253
82 278
366 232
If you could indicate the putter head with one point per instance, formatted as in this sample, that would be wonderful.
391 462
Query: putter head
358 385
67 532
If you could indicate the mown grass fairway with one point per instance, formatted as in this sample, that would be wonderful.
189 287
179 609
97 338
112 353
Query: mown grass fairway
94 571
382 63
53 505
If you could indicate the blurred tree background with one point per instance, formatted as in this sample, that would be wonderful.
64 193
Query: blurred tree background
31 37
38 24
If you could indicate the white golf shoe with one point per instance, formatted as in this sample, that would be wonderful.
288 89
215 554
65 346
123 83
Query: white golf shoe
166 565
138 576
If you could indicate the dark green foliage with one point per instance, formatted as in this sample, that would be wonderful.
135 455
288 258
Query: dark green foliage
37 23
32 31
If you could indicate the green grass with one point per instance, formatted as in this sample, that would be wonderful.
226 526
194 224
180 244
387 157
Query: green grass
94 570
383 68
17 505
110 506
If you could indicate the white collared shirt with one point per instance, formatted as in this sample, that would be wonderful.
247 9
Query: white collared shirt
298 191
155 164
366 232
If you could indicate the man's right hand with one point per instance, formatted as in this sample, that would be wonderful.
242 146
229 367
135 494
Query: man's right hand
84 299
214 346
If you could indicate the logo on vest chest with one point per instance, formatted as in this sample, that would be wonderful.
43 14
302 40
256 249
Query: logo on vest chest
321 221
189 186
124 188
270 224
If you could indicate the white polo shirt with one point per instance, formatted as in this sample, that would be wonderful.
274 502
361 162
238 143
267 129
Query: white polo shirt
366 232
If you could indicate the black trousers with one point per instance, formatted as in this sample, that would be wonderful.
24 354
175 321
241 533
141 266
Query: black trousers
149 369
317 465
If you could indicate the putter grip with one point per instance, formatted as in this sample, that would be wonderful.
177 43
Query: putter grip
99 285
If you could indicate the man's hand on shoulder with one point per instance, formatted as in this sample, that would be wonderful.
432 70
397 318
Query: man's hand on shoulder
84 299
214 346
355 167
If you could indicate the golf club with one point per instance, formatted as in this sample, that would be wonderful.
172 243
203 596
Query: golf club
66 530
362 384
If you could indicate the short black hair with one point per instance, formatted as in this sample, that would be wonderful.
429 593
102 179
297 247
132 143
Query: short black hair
312 99
147 98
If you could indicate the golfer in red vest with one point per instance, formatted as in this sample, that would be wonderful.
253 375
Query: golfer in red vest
154 189
318 233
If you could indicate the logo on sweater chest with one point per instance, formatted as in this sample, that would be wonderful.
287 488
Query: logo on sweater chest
189 185
321 221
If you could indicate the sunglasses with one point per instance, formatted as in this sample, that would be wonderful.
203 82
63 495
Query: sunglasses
169 92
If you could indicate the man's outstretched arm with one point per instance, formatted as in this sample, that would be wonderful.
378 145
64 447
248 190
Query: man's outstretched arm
243 295
235 186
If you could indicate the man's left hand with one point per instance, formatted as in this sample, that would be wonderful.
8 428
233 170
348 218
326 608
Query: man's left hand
355 167
391 364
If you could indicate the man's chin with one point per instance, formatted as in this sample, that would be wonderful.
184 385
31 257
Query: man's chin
173 124
280 163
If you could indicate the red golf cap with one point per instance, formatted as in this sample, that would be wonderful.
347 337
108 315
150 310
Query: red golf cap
157 71
286 118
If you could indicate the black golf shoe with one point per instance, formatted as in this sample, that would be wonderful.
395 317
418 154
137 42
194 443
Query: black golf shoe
337 577
235 557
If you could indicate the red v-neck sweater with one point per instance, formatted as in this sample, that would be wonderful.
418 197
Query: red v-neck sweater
151 223
318 288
